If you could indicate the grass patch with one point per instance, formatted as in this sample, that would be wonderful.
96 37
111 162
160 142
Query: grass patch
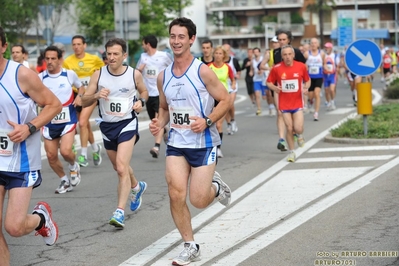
382 124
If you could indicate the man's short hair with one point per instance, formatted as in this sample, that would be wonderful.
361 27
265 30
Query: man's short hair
79 37
152 40
2 36
23 50
207 41
116 41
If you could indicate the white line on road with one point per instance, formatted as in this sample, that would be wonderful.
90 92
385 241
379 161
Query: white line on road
155 249
362 148
244 252
345 159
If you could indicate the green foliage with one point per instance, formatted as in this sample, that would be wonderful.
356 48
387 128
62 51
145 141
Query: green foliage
296 18
269 19
383 123
259 29
96 16
321 5
392 87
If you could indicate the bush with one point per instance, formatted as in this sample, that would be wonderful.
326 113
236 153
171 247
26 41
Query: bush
382 124
392 87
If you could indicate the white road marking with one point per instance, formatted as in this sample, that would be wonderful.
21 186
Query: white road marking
267 205
345 159
340 111
258 243
362 148
155 249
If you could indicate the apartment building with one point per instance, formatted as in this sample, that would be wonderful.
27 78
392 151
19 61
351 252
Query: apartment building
251 23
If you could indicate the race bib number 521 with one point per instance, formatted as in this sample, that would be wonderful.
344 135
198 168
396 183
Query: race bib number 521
6 145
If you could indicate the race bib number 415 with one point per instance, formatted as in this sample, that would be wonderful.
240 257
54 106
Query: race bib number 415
289 85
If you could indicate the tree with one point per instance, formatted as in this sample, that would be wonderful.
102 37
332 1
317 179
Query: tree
96 16
18 16
320 7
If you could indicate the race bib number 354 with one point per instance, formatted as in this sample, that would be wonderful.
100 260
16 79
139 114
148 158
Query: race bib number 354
179 117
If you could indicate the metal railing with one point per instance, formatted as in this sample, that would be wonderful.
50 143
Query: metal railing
252 4
242 31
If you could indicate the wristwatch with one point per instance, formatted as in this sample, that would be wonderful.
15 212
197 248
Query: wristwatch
142 102
208 121
32 128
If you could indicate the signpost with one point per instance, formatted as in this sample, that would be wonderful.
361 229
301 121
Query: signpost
363 58
345 27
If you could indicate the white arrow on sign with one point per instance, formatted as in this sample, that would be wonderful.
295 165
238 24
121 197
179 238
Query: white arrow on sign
366 60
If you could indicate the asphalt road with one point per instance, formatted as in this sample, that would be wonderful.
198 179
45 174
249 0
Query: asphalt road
335 200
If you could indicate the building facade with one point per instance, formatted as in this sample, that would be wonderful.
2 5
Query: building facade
251 23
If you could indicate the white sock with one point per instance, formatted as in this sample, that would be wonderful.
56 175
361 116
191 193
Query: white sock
73 167
94 147
65 178
217 187
137 187
83 152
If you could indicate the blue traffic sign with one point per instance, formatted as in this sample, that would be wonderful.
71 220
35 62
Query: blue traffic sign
363 57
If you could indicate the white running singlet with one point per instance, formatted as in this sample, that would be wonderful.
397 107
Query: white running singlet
153 66
119 104
19 108
187 96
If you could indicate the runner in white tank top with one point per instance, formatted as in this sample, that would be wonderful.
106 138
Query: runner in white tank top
20 158
115 86
152 62
187 90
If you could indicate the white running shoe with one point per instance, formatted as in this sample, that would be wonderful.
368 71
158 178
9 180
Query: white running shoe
224 193
49 231
189 254
75 175
219 153
234 127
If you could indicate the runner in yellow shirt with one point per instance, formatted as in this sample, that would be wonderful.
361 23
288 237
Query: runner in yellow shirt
84 65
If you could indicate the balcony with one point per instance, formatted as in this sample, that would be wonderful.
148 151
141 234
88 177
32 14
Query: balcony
241 5
363 2
251 32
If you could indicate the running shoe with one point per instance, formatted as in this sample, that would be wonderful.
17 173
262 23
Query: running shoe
300 140
63 187
219 153
82 161
234 127
224 193
49 231
135 196
189 254
258 112
75 176
282 145
316 116
229 130
97 156
118 220
291 157
154 152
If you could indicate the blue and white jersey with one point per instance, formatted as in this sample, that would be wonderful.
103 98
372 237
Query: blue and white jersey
187 96
315 65
18 107
61 85
119 104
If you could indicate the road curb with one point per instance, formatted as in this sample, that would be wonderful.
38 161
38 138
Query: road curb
331 139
